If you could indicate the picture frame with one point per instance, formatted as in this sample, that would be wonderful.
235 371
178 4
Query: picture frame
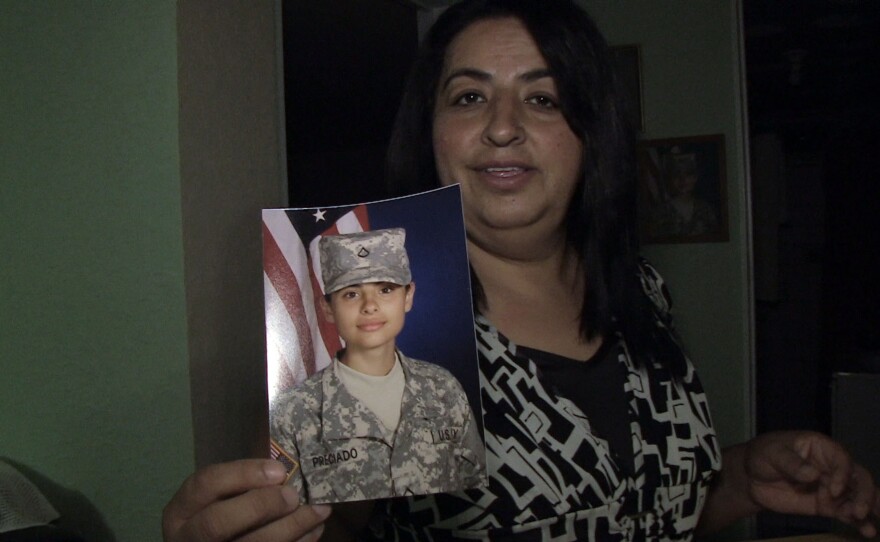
627 61
682 192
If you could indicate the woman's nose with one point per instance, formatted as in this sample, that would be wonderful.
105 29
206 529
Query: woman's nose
504 123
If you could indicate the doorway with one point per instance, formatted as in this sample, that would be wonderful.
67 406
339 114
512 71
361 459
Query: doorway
812 68
345 63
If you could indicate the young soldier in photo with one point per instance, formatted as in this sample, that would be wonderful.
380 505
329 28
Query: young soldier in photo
375 423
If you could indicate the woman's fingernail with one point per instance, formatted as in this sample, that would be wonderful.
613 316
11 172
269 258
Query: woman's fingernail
322 510
313 535
274 472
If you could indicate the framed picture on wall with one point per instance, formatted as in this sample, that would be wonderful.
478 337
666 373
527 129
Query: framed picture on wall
627 61
683 190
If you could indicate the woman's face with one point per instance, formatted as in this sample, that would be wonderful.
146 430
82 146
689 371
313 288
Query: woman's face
498 130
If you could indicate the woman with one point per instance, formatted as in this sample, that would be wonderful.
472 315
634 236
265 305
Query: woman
515 100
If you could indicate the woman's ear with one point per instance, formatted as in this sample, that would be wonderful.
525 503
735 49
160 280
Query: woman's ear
325 307
410 293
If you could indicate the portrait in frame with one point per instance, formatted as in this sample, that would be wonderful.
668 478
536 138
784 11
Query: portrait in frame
683 190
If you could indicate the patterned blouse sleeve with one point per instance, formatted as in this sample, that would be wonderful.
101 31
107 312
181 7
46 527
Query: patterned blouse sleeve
655 288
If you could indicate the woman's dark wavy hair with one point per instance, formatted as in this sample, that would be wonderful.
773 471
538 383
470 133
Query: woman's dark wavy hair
601 221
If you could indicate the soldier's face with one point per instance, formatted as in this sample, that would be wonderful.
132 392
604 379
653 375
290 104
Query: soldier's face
369 315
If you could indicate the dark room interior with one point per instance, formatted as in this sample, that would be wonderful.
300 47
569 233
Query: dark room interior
812 71
814 126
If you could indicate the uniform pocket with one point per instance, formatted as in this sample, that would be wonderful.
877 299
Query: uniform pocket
348 470
430 457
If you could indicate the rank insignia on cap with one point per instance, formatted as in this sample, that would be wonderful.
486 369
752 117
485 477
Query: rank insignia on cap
369 256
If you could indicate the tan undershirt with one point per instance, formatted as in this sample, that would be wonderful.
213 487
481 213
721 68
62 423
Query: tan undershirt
381 394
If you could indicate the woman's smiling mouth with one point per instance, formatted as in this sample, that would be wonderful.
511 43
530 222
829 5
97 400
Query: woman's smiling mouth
504 172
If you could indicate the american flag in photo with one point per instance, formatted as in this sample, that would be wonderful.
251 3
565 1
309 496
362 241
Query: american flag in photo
278 454
299 341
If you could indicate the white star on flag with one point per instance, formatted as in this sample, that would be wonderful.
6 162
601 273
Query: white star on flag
319 215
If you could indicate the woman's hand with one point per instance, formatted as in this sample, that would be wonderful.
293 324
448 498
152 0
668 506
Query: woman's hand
241 500
792 472
802 472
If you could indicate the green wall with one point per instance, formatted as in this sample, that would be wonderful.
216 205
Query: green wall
94 390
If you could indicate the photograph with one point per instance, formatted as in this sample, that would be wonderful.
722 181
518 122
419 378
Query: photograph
371 355
682 190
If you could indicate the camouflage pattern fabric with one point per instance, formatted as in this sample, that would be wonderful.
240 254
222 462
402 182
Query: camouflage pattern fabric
345 453
370 256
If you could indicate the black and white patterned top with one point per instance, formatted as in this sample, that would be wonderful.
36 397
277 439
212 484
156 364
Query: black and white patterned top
552 478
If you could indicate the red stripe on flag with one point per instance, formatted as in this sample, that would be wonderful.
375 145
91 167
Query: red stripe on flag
327 329
361 213
283 376
284 282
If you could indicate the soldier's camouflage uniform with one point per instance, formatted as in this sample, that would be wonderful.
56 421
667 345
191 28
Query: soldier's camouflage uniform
345 453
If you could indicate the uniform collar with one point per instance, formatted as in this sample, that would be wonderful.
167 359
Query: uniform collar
344 416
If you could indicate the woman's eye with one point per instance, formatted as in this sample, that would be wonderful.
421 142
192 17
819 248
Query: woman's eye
543 101
468 98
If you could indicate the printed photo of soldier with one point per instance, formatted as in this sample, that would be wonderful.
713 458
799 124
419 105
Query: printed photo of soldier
681 211
682 194
375 423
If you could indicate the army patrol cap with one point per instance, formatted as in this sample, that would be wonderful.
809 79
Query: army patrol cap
370 256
